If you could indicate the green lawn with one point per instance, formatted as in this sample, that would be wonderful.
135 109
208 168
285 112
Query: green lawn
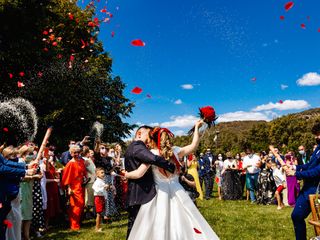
229 219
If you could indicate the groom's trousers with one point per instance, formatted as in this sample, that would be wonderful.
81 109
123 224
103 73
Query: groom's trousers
301 212
133 212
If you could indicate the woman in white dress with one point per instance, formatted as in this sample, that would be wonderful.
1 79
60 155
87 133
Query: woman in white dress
171 214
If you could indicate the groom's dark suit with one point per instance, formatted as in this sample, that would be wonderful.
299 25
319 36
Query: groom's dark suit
142 190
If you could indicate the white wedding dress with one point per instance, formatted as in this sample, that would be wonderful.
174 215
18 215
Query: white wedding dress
171 214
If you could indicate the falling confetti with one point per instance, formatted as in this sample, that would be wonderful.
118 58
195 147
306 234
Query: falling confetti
136 90
83 44
148 96
303 26
253 79
288 6
21 74
196 230
71 17
112 34
103 10
54 44
137 43
280 101
5 129
20 84
40 74
8 223
281 17
10 75
45 32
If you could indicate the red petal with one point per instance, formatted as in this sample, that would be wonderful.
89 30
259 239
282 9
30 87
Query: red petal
96 20
54 44
5 130
71 58
21 74
40 74
83 44
112 34
148 96
137 43
103 10
288 6
318 29
20 84
0 205
111 15
197 231
8 223
281 17
303 26
59 56
46 49
45 32
10 75
136 90
280 101
70 16
253 79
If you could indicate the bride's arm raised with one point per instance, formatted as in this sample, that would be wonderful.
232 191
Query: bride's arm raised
184 151
138 173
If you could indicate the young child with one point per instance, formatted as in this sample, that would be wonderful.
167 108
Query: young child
100 194
280 182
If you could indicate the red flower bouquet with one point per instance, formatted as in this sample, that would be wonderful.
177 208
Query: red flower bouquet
208 115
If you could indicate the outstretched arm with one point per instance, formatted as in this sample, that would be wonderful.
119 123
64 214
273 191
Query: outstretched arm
184 151
143 155
138 173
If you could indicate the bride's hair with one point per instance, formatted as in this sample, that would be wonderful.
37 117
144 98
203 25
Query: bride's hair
162 139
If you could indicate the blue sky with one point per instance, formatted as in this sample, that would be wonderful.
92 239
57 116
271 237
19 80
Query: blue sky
217 46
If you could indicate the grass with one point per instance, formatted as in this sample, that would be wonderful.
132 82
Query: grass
229 219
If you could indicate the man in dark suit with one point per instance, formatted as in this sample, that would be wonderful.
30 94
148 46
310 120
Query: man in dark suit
66 156
142 190
205 174
310 173
208 157
303 158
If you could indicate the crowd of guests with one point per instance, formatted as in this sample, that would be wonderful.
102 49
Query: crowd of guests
87 181
36 192
258 177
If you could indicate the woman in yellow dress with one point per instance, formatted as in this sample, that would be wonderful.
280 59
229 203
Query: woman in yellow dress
192 164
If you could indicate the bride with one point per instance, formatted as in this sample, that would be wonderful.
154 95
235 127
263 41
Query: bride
171 214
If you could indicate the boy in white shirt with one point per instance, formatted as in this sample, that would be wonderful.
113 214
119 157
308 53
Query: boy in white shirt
280 182
100 194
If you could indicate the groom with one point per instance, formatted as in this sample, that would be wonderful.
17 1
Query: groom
142 190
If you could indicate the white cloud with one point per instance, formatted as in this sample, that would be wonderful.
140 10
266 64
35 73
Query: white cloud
187 86
309 79
285 105
243 116
179 133
283 86
178 101
154 124
184 121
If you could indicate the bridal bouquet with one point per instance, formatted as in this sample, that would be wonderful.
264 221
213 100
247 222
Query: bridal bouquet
208 115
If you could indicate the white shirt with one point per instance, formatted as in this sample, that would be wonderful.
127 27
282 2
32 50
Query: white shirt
99 188
278 177
253 162
229 164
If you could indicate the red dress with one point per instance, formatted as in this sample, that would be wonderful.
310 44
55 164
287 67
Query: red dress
53 207
73 176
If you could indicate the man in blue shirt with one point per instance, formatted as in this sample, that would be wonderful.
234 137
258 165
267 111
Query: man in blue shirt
310 173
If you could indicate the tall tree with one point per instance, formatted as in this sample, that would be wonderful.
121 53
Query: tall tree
52 48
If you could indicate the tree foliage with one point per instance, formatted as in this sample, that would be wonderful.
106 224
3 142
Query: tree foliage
65 70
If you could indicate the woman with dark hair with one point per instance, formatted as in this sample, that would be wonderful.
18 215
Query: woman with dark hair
231 185
171 214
